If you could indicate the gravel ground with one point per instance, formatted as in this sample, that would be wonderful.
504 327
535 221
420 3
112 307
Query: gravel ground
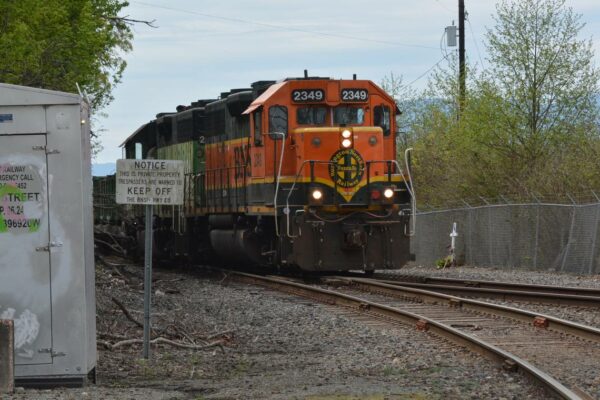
277 347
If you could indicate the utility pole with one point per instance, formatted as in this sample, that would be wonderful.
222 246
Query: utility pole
462 73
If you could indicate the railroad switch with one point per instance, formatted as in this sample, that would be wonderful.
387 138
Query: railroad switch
540 322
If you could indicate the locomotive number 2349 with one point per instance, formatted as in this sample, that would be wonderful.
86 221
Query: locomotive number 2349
308 95
354 95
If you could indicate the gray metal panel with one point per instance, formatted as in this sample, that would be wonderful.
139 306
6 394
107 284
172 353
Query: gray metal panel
13 95
69 271
88 241
22 120
24 227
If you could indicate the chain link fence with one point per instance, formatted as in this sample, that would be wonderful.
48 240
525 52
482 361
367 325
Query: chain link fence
538 236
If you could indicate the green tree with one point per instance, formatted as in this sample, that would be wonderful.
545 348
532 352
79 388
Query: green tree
57 44
543 73
408 102
531 119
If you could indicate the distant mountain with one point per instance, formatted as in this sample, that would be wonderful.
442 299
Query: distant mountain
103 169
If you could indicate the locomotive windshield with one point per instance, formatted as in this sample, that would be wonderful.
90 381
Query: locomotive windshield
348 115
311 115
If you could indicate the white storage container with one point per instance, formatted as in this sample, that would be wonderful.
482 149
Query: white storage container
46 234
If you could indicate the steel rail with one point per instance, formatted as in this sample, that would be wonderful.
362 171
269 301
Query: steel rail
432 297
377 310
484 284
502 291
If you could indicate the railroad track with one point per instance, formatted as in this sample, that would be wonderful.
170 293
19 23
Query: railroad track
560 295
559 355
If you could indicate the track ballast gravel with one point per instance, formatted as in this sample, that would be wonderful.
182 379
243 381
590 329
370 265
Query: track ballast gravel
283 347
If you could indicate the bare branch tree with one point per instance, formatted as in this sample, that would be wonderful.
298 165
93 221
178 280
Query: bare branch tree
131 21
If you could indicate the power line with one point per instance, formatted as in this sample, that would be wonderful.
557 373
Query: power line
426 72
280 27
443 47
213 34
444 7
474 40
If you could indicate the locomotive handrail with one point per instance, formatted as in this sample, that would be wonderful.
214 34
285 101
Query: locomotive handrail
411 191
212 173
408 184
409 187
282 134
286 210
312 162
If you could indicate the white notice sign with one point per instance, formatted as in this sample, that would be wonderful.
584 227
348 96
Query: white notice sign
150 182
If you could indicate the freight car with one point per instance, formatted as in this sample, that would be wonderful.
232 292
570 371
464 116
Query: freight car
299 172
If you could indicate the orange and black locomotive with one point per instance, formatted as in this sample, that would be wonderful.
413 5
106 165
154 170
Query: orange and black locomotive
299 172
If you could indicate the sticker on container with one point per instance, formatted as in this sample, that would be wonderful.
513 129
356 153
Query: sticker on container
6 118
21 199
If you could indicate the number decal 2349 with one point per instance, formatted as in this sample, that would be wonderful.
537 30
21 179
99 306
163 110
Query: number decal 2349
308 95
355 95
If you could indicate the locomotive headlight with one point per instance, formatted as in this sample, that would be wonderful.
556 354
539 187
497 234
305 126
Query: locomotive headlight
388 193
317 194
346 143
346 134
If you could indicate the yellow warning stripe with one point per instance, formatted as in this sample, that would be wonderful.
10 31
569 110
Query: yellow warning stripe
231 142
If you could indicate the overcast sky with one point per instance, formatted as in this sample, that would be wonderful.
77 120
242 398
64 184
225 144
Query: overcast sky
202 48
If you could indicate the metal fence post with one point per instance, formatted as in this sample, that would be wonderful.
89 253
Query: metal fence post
7 374
470 249
570 239
537 232
594 235
490 235
468 239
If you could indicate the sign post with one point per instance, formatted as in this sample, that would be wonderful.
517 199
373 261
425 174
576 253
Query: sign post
7 356
149 182
148 238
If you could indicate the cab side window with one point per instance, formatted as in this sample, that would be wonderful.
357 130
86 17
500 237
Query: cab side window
278 121
381 117
258 128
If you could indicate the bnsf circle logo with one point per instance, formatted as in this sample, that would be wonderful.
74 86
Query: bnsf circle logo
347 168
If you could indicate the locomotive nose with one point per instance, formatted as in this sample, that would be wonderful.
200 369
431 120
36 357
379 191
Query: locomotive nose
333 159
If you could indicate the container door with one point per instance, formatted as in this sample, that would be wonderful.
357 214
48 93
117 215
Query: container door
25 246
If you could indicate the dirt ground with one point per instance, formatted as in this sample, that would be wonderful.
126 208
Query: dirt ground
244 342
